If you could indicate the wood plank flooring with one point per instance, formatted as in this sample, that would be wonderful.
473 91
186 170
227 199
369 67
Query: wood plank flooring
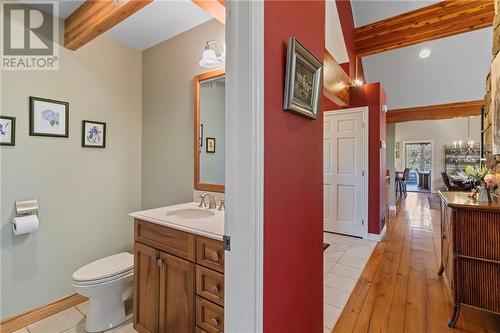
399 290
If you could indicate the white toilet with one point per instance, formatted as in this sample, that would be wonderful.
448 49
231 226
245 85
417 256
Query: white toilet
107 283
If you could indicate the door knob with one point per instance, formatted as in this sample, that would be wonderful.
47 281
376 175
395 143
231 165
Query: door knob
215 289
214 322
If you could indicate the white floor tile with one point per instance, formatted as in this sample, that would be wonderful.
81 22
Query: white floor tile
22 330
57 323
83 307
340 282
363 254
333 254
353 261
347 271
327 330
327 266
125 328
337 297
79 328
330 315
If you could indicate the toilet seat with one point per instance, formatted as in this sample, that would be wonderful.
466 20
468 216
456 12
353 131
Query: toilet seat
105 270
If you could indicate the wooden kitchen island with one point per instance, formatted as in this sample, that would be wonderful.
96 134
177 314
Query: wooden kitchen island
470 252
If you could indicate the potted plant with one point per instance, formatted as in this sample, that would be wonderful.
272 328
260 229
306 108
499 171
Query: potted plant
478 175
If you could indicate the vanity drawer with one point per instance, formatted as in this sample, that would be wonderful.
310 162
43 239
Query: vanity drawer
209 316
200 330
210 253
172 241
210 285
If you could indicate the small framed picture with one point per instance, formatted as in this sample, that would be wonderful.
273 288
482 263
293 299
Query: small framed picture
49 117
7 131
210 145
302 80
93 134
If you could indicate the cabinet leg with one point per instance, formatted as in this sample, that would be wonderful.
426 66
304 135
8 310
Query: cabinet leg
454 316
441 269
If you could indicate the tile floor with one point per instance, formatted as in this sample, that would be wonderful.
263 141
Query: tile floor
344 260
69 321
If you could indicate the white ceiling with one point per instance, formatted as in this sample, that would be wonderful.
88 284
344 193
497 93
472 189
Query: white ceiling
334 38
369 11
455 71
157 22
153 24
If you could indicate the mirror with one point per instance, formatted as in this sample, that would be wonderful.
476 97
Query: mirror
209 128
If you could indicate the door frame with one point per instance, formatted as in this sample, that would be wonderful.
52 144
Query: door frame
244 163
403 159
366 126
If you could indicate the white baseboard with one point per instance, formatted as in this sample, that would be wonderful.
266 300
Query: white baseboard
377 237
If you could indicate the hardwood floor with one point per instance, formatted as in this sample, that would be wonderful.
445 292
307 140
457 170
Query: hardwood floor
399 290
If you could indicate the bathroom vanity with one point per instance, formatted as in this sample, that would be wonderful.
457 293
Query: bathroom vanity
179 270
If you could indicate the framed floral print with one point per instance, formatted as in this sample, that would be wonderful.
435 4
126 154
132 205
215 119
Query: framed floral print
93 134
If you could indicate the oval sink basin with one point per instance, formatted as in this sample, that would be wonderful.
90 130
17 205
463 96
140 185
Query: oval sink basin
191 213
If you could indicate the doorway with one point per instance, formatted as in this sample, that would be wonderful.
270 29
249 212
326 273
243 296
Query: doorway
418 159
345 173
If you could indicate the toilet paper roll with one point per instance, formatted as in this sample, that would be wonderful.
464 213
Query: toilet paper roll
25 224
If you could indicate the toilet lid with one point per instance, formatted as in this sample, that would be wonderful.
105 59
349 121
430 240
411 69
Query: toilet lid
105 267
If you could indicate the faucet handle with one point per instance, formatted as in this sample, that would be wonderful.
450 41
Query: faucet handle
222 204
202 201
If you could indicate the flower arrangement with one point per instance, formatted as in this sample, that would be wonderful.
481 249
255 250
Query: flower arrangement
484 181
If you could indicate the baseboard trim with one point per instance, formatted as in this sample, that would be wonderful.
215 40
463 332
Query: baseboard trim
24 319
377 237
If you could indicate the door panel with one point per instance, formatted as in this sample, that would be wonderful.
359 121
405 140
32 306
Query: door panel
177 305
146 285
343 173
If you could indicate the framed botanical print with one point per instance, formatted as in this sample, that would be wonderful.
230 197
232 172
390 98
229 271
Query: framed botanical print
302 80
93 134
211 145
7 131
49 117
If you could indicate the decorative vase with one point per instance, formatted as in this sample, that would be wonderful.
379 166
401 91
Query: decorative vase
484 193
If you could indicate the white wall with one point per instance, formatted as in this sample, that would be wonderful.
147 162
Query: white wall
84 194
441 132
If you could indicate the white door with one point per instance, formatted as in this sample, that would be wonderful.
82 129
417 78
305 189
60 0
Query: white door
344 176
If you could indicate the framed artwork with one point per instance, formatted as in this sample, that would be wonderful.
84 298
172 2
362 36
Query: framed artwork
93 134
210 145
7 131
302 80
49 117
495 105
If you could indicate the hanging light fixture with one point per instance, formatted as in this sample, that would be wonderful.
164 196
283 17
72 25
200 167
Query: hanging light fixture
214 55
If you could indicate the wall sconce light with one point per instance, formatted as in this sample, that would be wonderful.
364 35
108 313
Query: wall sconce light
214 55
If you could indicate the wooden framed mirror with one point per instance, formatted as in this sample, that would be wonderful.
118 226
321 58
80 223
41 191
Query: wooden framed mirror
209 128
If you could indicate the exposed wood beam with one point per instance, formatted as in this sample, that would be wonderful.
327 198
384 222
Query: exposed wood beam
215 8
440 20
435 112
95 17
336 82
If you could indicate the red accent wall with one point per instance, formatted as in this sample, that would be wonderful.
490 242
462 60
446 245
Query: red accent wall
373 96
293 179
346 18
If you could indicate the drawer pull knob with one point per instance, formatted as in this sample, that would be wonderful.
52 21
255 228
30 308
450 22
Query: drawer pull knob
159 262
215 256
214 322
215 289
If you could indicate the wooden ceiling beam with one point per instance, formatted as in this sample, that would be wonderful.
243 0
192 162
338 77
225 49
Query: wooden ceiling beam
95 17
443 19
336 82
435 112
215 8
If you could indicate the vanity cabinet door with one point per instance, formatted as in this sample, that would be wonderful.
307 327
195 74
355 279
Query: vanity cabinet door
146 283
177 311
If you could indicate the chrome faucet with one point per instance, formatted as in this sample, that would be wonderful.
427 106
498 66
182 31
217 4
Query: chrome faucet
211 201
222 204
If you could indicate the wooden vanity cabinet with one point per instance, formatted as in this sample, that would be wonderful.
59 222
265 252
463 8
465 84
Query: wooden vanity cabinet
178 281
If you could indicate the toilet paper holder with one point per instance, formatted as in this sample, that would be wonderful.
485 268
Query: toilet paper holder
27 207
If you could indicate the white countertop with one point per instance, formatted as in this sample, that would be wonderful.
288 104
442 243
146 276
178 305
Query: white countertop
211 227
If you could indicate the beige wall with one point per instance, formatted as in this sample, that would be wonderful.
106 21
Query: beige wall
167 141
84 194
441 132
